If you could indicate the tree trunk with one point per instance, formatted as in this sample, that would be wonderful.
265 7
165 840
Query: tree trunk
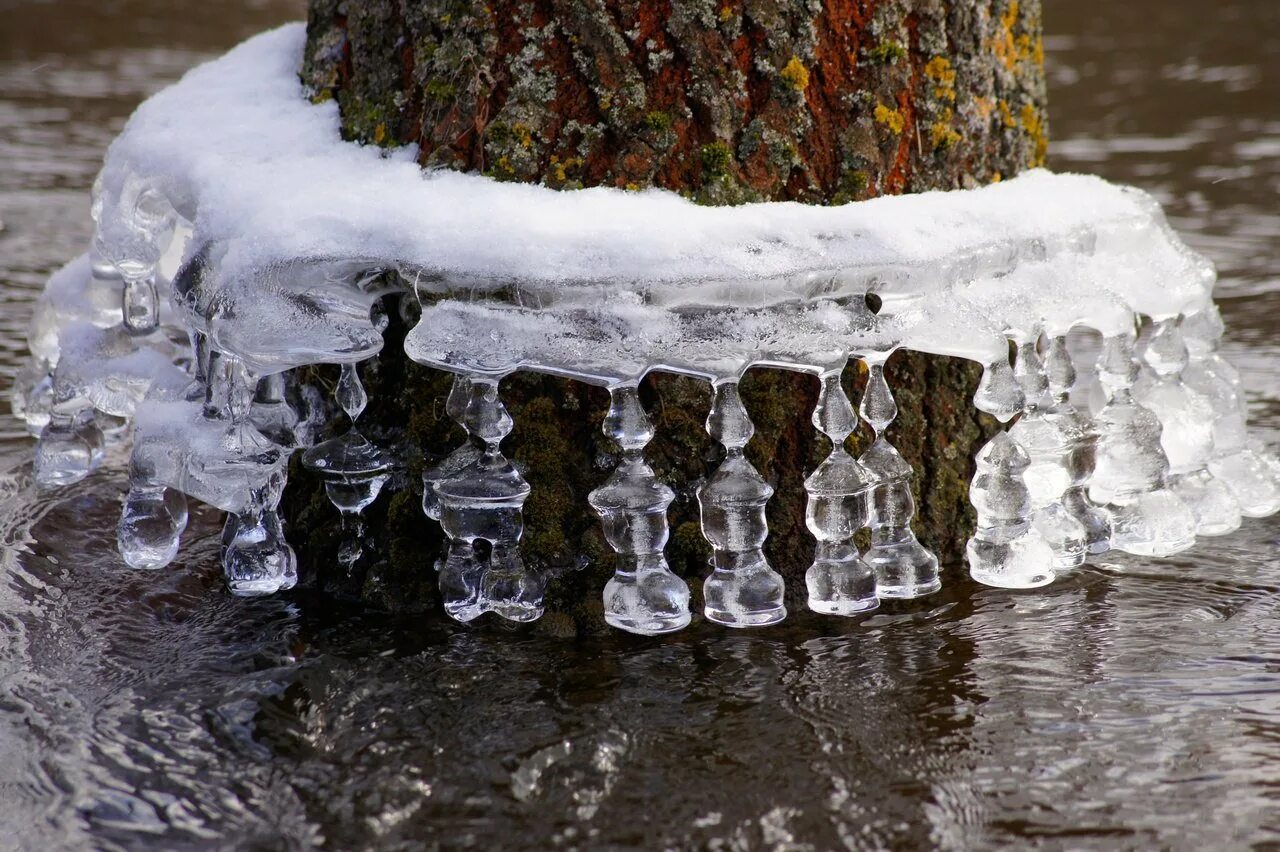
724 102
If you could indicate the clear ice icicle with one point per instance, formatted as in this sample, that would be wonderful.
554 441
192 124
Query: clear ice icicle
1129 477
466 454
352 468
643 596
839 581
1082 437
70 446
258 560
1186 433
999 393
1235 463
153 517
1047 436
742 590
481 512
1007 549
904 568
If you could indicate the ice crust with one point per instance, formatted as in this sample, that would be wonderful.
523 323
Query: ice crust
239 238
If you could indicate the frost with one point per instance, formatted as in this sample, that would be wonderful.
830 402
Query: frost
238 238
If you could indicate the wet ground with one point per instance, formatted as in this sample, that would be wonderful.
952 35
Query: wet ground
1134 705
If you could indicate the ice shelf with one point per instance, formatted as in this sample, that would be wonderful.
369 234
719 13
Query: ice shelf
238 238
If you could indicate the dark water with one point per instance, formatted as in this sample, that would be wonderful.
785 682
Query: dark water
1135 705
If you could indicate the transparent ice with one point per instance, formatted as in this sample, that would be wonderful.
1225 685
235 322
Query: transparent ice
219 273
643 596
1007 549
1130 477
1049 437
839 581
1186 433
742 590
904 568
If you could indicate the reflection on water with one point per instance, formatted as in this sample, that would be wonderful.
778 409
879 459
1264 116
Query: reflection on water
1136 704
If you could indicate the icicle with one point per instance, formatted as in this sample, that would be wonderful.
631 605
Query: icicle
465 455
1007 550
999 393
1186 433
258 560
1234 461
742 590
839 582
1046 436
272 414
1082 438
71 444
1129 476
904 568
154 514
483 503
353 469
643 595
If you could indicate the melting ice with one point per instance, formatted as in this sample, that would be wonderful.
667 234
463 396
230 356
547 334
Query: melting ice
238 239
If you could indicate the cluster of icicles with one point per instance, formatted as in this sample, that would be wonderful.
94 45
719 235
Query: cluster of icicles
235 243
1164 458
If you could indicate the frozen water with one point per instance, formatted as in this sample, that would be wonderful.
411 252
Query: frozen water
742 590
839 581
904 568
238 239
643 596
1007 550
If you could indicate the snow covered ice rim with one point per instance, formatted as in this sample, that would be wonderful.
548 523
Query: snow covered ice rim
238 239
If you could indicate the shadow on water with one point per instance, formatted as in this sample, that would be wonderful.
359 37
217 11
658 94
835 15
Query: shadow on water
1134 704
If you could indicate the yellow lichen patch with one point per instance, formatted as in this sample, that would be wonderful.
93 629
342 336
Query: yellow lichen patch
726 13
890 118
940 71
380 133
1004 45
1033 124
941 133
983 107
523 135
1006 114
795 74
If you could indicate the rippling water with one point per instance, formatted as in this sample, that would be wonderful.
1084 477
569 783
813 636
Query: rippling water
1134 705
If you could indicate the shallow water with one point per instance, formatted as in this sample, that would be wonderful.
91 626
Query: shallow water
1135 705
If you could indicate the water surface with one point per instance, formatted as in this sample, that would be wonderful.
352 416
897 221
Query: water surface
1135 705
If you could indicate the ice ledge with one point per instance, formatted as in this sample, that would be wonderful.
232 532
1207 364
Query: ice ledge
255 167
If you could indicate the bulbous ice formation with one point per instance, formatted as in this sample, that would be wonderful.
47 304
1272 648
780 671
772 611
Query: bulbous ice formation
1234 462
643 596
742 590
1007 550
904 568
1081 436
839 581
1048 437
1129 477
481 509
1186 433
216 270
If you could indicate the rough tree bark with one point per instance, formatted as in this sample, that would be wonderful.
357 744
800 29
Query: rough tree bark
724 101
